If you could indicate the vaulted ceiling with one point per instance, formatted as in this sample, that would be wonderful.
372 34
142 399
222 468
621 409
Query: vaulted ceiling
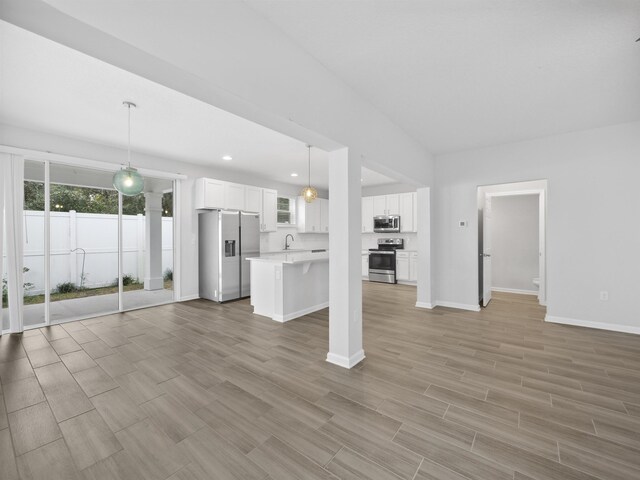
460 74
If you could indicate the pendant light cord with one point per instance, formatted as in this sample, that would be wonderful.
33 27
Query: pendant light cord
309 165
129 135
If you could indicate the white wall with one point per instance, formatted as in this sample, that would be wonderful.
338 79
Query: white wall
592 228
514 242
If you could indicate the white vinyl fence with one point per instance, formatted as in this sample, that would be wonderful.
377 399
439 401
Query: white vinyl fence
97 234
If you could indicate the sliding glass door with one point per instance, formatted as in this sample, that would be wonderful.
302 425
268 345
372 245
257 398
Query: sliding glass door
77 232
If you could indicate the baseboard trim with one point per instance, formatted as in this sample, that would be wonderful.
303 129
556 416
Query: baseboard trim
459 306
425 305
589 324
345 362
407 282
514 290
299 313
189 297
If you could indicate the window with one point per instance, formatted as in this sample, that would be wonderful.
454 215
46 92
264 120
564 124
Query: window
286 211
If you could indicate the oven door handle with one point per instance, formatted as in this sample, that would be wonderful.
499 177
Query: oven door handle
389 252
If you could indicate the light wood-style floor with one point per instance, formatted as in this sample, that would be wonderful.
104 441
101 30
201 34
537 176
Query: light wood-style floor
205 391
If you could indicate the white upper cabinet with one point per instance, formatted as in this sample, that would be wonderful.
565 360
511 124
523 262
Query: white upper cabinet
269 212
379 205
324 215
209 193
234 196
219 195
393 204
367 214
403 204
253 199
408 212
310 216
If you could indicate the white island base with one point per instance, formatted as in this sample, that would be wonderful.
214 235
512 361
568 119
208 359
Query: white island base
288 286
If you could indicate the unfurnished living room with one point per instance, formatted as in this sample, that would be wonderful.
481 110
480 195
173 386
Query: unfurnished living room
299 239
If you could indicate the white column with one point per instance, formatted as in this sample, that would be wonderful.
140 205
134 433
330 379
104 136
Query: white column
140 242
345 263
13 170
153 241
424 298
73 244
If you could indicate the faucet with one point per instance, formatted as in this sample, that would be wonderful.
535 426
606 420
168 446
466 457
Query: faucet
286 241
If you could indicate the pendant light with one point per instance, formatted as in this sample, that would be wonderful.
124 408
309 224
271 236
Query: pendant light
309 193
127 180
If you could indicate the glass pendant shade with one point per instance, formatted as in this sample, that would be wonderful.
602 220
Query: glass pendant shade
128 182
309 194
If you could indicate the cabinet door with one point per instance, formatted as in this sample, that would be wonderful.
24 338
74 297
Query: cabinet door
324 215
269 217
402 267
253 199
406 212
393 204
365 265
367 214
379 205
234 196
313 216
414 199
413 267
213 193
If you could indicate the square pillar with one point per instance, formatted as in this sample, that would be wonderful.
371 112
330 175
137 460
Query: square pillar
345 262
424 289
153 242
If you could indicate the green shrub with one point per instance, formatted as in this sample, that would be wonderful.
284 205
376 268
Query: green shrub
168 275
129 280
66 287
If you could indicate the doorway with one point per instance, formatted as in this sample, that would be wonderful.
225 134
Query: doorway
512 240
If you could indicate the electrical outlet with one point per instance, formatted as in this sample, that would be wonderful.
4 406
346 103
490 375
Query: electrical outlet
604 296
462 223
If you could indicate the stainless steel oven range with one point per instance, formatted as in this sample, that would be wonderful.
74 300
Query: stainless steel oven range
382 260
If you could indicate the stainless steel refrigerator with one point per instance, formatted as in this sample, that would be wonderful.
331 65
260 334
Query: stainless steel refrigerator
226 239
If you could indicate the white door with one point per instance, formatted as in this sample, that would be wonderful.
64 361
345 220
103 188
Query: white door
486 254
542 287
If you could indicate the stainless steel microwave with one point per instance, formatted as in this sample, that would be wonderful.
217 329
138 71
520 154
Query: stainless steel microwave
386 223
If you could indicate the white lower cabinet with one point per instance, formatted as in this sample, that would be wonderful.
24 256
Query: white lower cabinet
407 266
413 267
402 266
365 265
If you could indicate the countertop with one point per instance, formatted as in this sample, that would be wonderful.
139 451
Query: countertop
293 258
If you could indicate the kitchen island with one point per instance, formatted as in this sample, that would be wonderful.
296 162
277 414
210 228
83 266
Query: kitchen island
289 285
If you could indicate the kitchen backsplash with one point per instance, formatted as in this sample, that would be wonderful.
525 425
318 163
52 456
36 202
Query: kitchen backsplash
274 241
370 240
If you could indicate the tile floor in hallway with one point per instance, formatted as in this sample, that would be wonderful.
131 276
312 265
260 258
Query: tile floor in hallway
198 390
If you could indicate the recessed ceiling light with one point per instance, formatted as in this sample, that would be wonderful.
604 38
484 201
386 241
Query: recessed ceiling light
294 174
226 158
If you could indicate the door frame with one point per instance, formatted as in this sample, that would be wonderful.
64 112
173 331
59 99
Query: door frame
542 231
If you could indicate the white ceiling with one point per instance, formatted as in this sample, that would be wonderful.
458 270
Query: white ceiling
459 74
51 88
